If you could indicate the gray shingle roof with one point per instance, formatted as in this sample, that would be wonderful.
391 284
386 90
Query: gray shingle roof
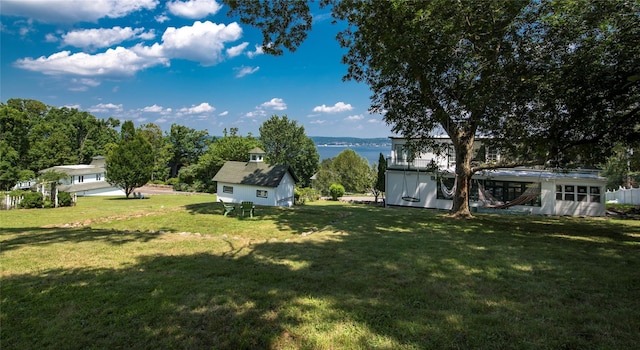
253 173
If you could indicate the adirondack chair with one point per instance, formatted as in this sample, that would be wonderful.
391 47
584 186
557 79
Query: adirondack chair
248 206
228 208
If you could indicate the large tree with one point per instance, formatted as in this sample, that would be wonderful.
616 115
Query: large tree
550 82
129 164
186 146
285 142
352 171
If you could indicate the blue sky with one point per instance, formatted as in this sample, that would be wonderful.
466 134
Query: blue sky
179 61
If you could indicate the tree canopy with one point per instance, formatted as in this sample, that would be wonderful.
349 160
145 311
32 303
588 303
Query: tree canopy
285 142
130 163
552 83
34 136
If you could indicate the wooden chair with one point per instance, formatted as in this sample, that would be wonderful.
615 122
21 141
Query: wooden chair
248 206
228 208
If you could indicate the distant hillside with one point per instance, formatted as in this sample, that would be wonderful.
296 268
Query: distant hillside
350 141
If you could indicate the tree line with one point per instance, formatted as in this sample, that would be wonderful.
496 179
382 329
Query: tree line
34 136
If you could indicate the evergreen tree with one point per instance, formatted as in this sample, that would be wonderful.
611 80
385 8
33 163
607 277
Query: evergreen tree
129 164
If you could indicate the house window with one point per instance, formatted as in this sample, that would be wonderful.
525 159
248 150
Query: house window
492 155
578 193
261 193
451 155
594 194
449 183
227 189
98 177
582 193
506 191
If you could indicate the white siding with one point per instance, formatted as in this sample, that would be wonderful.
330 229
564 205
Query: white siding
423 186
276 196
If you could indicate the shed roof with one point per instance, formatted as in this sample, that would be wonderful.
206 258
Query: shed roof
252 173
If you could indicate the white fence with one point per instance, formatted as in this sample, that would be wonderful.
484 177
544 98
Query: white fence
624 196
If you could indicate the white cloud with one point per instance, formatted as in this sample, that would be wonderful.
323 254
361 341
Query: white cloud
242 71
318 121
113 62
203 42
259 51
204 107
51 38
257 113
161 18
338 107
275 104
104 37
156 109
76 106
86 81
354 117
105 108
236 50
68 11
194 9
223 114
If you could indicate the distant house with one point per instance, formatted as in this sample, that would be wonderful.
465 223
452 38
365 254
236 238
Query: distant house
256 181
86 179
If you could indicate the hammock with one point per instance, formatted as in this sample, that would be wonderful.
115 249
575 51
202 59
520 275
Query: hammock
405 196
490 201
448 193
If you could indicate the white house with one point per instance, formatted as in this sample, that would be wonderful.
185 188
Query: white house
255 181
414 183
86 179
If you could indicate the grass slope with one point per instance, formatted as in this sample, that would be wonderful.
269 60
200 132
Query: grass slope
172 272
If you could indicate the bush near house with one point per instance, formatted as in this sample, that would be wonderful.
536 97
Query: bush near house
336 191
32 200
64 199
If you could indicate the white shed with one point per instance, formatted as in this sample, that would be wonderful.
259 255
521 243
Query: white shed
255 181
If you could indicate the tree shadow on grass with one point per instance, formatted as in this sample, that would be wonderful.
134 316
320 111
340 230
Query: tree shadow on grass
15 238
298 219
378 279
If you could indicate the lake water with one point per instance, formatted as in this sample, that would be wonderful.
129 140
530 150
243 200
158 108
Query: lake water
371 153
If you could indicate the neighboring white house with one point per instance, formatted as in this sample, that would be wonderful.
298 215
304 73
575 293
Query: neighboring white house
255 181
86 179
412 182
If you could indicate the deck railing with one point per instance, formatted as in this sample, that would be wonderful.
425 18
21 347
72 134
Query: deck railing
421 164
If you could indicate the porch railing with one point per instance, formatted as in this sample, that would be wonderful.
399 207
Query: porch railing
421 164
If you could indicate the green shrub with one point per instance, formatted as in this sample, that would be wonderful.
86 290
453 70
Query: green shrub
64 199
336 191
302 195
32 200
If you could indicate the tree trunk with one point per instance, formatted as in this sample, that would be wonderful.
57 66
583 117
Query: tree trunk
464 154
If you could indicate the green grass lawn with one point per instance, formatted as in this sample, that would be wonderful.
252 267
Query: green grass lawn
171 272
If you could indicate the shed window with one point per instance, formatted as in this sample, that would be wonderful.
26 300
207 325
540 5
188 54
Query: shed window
227 189
261 193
